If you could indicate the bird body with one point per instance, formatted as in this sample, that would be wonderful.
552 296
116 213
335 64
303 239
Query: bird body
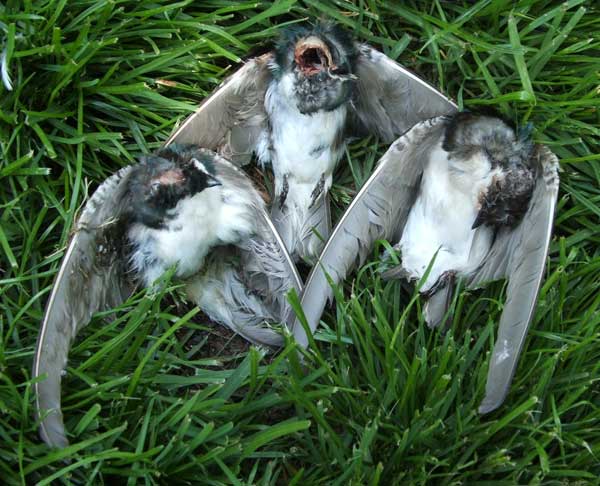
184 207
472 195
476 179
197 235
303 145
440 222
307 105
216 216
303 150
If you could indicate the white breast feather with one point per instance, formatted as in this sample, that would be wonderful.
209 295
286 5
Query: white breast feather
212 217
442 216
299 145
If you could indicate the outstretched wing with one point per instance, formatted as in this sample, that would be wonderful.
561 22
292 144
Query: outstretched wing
91 279
230 121
390 99
519 255
266 269
378 211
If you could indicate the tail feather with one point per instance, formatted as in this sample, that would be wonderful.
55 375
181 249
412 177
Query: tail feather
304 230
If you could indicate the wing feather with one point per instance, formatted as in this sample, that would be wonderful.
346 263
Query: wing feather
271 268
520 255
91 279
231 120
390 99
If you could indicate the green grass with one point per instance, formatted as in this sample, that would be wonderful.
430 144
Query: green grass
382 400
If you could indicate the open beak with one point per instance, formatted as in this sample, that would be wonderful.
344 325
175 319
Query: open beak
313 56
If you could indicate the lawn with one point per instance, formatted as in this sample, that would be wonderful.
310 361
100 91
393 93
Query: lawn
155 395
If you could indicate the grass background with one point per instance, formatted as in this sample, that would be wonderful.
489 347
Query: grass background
150 399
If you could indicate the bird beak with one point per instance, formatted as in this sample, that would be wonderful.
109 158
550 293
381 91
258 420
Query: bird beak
312 56
212 181
479 220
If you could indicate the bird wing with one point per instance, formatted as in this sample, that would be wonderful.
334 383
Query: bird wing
519 254
266 267
379 210
270 268
231 120
390 99
90 279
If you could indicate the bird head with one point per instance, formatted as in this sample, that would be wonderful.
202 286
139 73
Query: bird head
489 138
166 177
321 61
469 133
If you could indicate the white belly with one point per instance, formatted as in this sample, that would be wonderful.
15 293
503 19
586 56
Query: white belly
303 147
212 217
441 219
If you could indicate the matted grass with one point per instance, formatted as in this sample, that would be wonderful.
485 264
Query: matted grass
384 400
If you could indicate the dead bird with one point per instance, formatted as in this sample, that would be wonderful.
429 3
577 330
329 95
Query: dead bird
463 197
181 207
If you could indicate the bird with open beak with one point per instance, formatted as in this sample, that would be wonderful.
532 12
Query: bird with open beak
307 104
181 207
297 106
462 197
